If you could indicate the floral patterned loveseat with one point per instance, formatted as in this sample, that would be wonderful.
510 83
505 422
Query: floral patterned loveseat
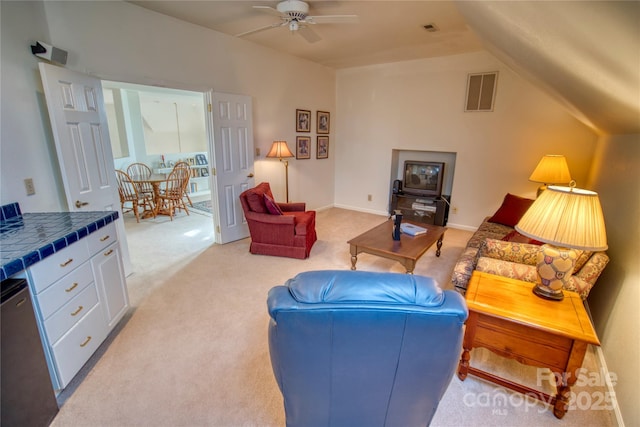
497 248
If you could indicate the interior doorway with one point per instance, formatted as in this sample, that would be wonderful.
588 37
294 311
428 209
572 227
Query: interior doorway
159 127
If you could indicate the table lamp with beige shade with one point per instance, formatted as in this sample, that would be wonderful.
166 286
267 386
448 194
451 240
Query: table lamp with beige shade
551 170
566 219
280 150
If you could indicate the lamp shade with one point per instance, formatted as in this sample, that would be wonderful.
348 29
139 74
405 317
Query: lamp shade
567 217
280 150
552 169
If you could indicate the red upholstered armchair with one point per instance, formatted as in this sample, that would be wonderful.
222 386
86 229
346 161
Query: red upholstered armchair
280 229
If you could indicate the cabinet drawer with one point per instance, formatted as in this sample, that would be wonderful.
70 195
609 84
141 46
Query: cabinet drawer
102 238
73 350
70 313
61 292
50 269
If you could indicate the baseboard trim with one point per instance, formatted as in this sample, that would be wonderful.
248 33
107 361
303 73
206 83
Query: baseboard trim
461 227
371 211
605 370
611 390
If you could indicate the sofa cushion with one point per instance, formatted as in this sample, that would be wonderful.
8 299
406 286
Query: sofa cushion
488 229
523 253
513 270
272 206
511 210
581 260
528 273
516 237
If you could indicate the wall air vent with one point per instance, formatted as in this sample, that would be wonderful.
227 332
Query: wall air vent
481 91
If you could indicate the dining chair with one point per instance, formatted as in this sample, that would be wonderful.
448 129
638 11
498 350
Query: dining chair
185 194
172 194
141 170
128 192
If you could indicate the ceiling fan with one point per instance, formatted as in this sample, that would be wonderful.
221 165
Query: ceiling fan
294 15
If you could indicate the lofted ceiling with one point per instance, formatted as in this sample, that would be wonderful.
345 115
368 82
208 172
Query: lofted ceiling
584 53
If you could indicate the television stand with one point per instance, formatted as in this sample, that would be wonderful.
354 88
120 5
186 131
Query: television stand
426 209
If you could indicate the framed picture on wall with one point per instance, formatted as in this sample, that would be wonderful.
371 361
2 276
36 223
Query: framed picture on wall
322 149
303 147
303 121
322 121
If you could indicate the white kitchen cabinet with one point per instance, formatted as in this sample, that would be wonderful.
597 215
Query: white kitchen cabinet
107 270
80 294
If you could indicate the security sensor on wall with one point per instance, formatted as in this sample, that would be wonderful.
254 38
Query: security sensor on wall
50 53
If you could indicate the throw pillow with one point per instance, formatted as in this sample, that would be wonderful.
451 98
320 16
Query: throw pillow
516 237
272 206
511 210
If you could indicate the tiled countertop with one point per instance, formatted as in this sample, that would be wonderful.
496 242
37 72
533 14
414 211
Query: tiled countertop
28 238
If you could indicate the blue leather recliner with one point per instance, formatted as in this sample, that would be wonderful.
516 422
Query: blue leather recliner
356 348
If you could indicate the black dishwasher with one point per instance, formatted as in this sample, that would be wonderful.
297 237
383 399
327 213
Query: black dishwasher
27 394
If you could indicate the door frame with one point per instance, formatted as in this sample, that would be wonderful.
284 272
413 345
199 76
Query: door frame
205 95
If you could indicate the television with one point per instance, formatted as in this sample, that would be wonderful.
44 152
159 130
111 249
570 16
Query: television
423 178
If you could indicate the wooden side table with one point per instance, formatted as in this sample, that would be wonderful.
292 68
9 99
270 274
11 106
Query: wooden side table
508 319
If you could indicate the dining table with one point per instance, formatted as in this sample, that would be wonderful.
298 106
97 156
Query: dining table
155 180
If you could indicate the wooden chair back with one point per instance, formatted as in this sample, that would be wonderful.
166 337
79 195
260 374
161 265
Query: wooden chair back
140 170
126 188
128 192
187 168
174 189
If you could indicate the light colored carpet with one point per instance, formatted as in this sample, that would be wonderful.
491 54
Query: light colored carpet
193 351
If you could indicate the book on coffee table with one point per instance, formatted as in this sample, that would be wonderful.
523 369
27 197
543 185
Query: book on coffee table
412 230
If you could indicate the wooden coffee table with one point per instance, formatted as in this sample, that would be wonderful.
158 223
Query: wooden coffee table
379 241
507 318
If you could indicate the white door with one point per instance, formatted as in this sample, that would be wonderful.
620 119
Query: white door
233 162
81 135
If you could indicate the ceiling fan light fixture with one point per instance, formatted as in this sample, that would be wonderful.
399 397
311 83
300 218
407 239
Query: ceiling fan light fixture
296 9
293 14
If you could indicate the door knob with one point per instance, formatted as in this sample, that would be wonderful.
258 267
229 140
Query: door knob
250 175
80 204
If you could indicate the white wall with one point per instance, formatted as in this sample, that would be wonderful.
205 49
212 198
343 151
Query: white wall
27 150
614 300
418 105
122 42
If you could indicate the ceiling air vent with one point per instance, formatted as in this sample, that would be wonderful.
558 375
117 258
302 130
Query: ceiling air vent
431 28
481 91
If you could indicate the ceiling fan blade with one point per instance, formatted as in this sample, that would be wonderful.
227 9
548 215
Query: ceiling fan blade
272 11
308 34
332 19
266 27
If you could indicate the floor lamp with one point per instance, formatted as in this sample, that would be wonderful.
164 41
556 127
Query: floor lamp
280 150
